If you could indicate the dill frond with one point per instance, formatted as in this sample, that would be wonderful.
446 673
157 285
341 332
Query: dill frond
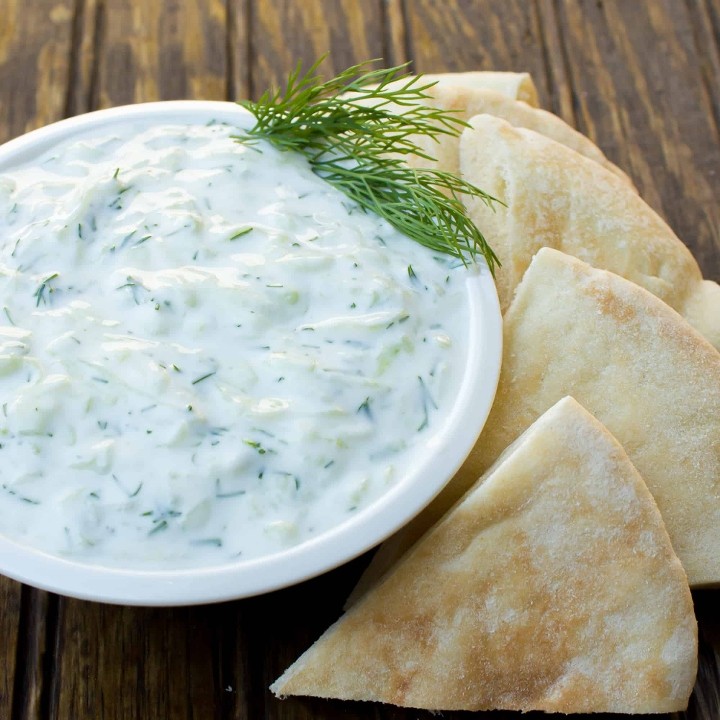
345 129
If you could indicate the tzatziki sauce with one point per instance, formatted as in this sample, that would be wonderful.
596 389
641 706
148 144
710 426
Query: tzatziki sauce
206 352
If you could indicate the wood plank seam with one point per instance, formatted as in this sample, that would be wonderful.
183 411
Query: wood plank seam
36 662
74 60
553 86
567 68
98 31
408 35
705 36
51 664
230 39
249 48
395 32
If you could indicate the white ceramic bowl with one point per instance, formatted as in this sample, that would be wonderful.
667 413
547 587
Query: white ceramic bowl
441 456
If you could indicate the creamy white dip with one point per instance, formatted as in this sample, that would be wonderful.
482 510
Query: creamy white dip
206 352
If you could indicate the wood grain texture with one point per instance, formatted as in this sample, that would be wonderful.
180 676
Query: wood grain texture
117 663
641 77
9 621
131 52
287 31
36 651
650 111
457 35
35 46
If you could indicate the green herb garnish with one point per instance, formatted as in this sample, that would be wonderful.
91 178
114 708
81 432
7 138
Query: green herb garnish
242 232
39 294
344 127
203 377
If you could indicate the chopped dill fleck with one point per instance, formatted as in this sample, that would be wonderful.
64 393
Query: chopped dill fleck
208 542
426 399
240 233
22 498
132 494
161 525
39 294
7 315
203 377
220 495
256 445
364 408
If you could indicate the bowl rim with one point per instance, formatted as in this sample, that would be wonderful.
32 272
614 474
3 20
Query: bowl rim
445 451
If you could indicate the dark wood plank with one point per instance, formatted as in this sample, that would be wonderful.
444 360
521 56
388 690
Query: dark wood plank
637 82
9 620
144 51
238 50
35 48
36 645
117 663
705 701
287 31
457 35
397 50
705 17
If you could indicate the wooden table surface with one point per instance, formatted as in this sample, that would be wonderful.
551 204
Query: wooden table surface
640 77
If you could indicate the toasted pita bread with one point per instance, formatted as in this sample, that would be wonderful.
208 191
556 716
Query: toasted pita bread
558 198
518 86
638 366
551 586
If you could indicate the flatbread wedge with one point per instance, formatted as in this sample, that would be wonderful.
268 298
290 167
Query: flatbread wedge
518 86
637 366
558 198
551 586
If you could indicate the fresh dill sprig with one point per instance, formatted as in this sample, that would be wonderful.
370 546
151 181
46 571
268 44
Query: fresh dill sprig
351 138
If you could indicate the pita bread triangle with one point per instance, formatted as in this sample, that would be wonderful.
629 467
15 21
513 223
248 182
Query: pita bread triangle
558 198
515 85
551 586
